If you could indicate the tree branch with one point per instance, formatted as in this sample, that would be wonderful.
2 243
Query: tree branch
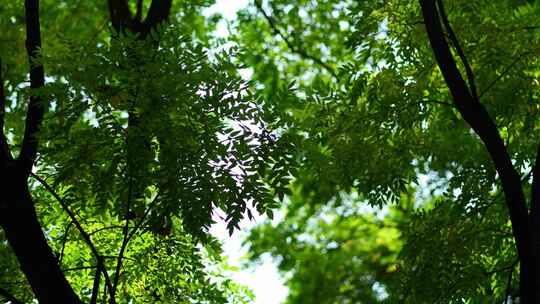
141 221
95 288
291 46
459 50
125 239
36 106
9 297
535 193
128 235
506 70
474 113
121 17
157 13
77 224
64 241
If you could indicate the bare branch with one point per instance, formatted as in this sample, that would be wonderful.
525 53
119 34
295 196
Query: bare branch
504 72
105 228
535 193
64 241
141 221
78 268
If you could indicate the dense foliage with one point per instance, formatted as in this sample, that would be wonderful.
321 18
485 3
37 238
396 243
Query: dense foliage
374 117
142 140
398 136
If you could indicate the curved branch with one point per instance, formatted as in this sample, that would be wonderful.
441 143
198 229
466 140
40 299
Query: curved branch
77 224
474 113
291 46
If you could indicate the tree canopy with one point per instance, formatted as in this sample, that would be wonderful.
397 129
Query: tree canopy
427 108
397 138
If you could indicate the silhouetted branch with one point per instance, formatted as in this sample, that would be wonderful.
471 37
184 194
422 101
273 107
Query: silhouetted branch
64 241
125 239
120 14
138 12
157 13
76 222
95 288
459 50
476 115
141 221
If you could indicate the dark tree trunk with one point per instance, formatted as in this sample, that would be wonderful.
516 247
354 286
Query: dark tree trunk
23 232
18 216
474 113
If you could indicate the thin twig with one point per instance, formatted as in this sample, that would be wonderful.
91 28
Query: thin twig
64 240
79 268
143 217
506 70
105 228
291 46
125 239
